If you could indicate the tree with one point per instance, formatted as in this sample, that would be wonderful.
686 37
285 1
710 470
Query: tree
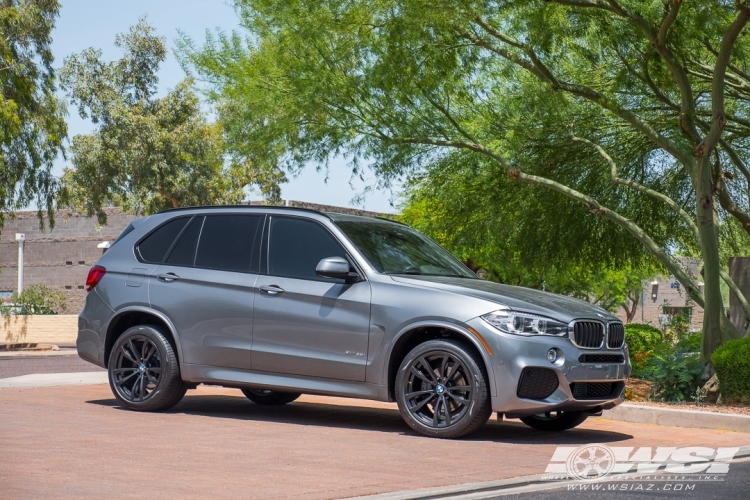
561 94
147 153
32 128
521 236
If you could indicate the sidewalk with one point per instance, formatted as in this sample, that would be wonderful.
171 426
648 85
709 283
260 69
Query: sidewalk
631 412
64 351
54 379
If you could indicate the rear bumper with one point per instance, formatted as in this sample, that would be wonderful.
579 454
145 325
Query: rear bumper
512 353
92 329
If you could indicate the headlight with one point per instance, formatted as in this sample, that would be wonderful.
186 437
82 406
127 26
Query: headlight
525 324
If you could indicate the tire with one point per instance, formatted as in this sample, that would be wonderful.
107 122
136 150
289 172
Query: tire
555 421
271 398
441 389
144 373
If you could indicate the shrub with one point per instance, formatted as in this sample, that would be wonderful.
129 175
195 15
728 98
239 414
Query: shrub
691 343
642 337
36 299
732 364
677 372
642 341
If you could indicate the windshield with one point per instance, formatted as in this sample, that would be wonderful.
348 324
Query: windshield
397 249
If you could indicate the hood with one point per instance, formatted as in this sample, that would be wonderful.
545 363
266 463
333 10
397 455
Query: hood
558 307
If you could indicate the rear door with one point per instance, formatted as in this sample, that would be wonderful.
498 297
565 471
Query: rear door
304 324
205 286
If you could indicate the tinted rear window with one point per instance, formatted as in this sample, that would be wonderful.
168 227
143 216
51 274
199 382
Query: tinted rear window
226 242
183 253
154 247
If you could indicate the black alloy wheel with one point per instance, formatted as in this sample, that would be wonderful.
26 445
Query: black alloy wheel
555 421
442 390
268 397
143 370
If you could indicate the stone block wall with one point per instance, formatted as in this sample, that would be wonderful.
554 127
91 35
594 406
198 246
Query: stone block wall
42 329
59 258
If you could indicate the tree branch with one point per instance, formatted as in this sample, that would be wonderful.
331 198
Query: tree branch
725 200
686 217
717 87
657 92
659 40
543 73
673 8
593 206
528 50
506 54
450 118
175 201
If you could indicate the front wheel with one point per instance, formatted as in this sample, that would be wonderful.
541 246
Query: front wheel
143 370
441 389
555 421
267 397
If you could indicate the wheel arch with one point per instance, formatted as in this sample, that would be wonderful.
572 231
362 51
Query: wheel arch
413 335
134 316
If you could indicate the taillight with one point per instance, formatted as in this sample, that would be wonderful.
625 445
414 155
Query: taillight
96 274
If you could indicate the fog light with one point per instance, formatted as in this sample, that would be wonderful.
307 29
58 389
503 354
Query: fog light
552 355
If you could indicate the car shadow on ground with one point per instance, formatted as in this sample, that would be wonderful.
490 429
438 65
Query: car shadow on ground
370 419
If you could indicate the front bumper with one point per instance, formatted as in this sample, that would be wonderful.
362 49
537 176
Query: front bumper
512 353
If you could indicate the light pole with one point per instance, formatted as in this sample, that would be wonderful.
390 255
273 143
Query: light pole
20 238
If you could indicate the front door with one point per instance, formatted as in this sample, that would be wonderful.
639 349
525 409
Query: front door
305 324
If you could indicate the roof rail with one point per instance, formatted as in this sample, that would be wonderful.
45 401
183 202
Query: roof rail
392 220
252 207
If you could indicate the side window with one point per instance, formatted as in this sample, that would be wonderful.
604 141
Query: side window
183 253
297 246
154 248
226 242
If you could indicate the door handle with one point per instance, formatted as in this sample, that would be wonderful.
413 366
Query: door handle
168 277
271 289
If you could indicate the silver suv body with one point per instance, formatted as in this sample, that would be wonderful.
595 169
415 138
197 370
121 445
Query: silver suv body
279 302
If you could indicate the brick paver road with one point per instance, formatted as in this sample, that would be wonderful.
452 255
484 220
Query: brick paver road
77 442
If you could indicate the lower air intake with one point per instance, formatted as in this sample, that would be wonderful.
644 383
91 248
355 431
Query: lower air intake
537 383
596 390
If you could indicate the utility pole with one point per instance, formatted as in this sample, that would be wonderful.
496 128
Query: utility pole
20 238
643 306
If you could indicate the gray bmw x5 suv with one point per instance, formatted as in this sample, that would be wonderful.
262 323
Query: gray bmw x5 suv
278 302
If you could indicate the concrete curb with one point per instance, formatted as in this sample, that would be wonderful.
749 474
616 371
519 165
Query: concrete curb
54 379
37 354
27 347
679 418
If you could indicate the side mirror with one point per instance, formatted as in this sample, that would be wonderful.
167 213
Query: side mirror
336 267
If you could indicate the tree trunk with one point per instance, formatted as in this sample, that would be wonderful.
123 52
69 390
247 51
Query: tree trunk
716 327
631 307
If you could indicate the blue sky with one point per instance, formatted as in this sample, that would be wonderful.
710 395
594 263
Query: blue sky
84 24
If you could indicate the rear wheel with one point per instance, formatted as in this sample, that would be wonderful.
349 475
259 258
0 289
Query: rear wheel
144 373
555 421
441 389
268 397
